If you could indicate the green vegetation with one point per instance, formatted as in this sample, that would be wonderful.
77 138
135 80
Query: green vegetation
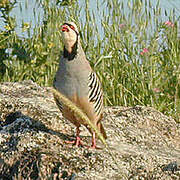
135 53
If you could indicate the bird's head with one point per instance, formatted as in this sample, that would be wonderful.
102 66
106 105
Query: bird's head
69 35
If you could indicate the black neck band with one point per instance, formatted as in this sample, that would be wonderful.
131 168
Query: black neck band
71 56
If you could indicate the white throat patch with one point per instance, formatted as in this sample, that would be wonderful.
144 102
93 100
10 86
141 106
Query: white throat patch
69 39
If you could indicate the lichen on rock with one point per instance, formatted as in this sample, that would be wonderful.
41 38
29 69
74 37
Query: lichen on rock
144 142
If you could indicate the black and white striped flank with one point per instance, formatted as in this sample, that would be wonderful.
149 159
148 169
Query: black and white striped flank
95 93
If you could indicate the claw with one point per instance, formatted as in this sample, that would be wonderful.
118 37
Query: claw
93 146
78 141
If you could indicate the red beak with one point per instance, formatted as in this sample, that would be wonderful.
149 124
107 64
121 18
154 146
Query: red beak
64 28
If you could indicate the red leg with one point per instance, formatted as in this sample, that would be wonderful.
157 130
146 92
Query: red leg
93 141
78 141
93 146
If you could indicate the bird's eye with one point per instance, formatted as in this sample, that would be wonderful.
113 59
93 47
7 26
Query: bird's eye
72 27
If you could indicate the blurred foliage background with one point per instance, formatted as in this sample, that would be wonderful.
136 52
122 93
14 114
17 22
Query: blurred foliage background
134 52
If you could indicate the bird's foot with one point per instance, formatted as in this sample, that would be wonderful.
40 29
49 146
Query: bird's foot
94 147
77 142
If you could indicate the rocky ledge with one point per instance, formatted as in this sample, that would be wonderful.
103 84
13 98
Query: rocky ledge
143 143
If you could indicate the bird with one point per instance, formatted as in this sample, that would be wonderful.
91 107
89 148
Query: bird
76 80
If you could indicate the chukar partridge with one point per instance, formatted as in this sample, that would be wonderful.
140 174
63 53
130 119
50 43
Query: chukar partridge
78 82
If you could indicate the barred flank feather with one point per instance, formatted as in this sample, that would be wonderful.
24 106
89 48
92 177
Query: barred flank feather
95 93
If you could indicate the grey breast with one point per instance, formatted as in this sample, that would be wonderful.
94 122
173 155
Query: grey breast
71 78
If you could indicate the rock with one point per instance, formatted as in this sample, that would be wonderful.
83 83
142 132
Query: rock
173 166
143 143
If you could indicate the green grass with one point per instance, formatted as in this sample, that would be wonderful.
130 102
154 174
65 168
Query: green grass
113 44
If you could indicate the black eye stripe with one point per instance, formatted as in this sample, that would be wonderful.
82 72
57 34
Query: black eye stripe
67 24
70 27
